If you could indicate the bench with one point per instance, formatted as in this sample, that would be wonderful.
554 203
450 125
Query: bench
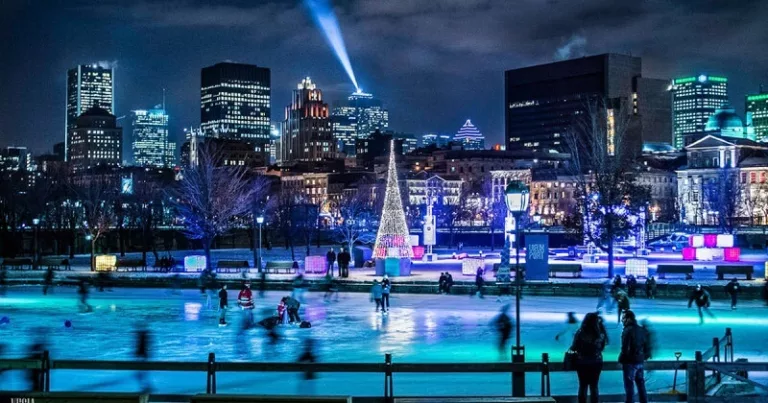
232 266
55 263
18 263
685 269
574 268
83 397
128 264
275 267
479 399
269 399
734 269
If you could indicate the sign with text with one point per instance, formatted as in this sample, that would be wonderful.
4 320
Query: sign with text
536 257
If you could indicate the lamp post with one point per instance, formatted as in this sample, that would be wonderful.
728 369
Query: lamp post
260 221
35 223
516 197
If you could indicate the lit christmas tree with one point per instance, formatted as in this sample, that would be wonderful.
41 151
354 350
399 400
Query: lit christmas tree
392 240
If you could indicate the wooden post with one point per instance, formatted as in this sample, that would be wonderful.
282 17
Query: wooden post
545 385
728 344
694 373
388 386
716 356
46 372
211 378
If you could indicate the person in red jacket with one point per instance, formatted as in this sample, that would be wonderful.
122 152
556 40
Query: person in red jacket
245 300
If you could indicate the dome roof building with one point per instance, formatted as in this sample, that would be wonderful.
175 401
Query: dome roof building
726 123
470 137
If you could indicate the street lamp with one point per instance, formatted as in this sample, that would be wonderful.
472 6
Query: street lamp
516 197
260 221
35 223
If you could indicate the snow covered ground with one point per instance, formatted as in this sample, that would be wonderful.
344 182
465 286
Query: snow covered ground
419 328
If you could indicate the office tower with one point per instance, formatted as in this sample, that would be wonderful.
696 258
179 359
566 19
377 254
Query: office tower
470 137
439 140
543 103
694 100
95 140
357 118
274 142
235 104
88 86
652 104
757 115
149 141
307 134
13 159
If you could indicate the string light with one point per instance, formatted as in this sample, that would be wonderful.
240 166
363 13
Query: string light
392 239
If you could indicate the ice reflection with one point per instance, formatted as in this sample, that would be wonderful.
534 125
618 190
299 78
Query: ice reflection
192 311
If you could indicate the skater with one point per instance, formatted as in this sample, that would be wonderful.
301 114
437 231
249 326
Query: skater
293 305
245 300
142 355
479 283
606 297
733 289
36 350
82 292
330 259
376 292
223 305
441 283
344 258
448 282
298 287
48 280
386 287
571 325
588 344
503 324
331 288
622 302
650 288
282 312
308 357
634 352
631 286
703 300
616 285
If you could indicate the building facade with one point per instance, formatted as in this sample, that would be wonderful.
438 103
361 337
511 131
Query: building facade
235 104
470 137
357 118
439 140
307 134
149 142
423 188
95 140
757 115
694 100
87 86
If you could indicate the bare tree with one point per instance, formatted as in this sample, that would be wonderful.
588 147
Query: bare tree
602 159
210 196
723 197
356 219
97 200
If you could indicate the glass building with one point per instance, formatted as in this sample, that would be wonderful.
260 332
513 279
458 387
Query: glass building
694 100
757 115
235 104
87 86
470 137
149 141
357 118
439 140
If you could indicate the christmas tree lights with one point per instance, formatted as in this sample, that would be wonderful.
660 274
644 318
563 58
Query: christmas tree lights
392 239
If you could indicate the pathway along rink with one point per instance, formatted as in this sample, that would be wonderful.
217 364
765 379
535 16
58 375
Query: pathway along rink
419 328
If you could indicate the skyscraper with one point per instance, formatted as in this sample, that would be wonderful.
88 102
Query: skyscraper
95 140
470 137
543 103
357 118
307 134
757 115
149 141
235 104
439 140
87 86
694 100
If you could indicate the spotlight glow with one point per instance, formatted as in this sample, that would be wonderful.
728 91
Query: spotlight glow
322 13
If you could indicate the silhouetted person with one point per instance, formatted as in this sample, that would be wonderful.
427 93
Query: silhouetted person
634 352
588 344
82 292
245 300
622 302
48 280
223 305
503 325
448 282
344 258
386 288
733 288
650 287
479 283
703 300
330 260
142 355
631 286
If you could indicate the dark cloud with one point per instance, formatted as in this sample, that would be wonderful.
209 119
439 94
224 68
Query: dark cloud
434 63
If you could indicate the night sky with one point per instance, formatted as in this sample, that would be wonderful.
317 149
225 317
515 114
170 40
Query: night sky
434 63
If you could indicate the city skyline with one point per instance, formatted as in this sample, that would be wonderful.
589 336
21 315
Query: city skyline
465 67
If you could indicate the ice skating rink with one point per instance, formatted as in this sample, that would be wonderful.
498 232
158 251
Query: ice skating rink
419 328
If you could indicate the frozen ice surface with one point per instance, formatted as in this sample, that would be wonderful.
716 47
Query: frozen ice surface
419 328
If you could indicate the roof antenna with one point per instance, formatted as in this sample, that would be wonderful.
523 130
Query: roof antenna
163 100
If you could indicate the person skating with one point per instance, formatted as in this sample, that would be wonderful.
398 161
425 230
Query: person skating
622 302
631 286
503 324
223 305
48 280
293 305
376 292
571 325
733 289
330 260
344 258
282 312
479 283
331 288
634 352
616 285
588 344
650 287
702 299
142 355
245 300
386 288
82 292
605 298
